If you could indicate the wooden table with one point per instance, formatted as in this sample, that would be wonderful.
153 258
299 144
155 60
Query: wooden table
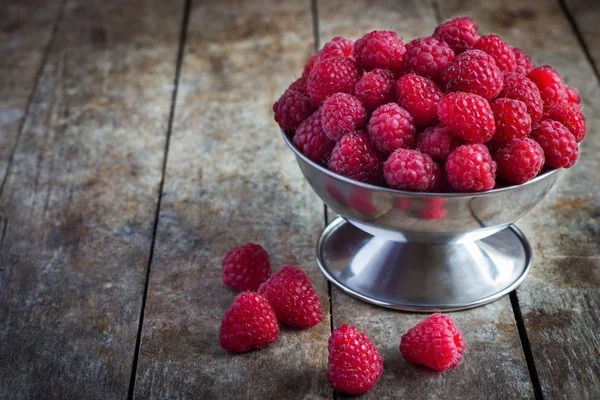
137 146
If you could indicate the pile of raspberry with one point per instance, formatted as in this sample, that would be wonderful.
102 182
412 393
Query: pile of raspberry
450 112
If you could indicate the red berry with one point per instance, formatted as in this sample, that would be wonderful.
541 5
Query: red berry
375 88
524 64
459 33
473 71
572 118
520 160
435 343
246 267
420 97
342 113
248 324
310 139
470 168
293 298
411 170
354 364
291 109
519 87
338 74
355 157
467 116
438 142
391 127
501 52
573 96
299 85
560 146
337 47
427 57
379 49
552 89
512 120
310 65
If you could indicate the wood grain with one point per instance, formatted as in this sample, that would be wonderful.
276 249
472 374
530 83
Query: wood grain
81 200
230 179
585 14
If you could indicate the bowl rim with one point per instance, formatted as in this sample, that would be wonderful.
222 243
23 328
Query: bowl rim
406 193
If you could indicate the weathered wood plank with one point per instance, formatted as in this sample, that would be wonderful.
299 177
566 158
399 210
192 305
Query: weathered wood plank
494 347
561 297
585 14
230 179
81 201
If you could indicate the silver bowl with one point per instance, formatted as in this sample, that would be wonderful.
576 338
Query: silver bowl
423 251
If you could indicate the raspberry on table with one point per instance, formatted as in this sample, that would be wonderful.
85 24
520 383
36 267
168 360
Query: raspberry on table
470 168
520 160
502 53
436 343
248 324
355 157
340 114
246 267
337 47
391 127
419 96
437 142
354 364
572 118
551 86
427 57
467 116
292 297
573 96
512 120
411 170
524 63
376 88
459 33
311 140
337 74
560 146
519 87
292 108
310 65
473 71
379 49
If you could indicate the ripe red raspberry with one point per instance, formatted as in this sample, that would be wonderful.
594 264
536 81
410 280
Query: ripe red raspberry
501 52
411 170
459 33
427 57
355 157
293 298
573 96
560 146
337 47
246 267
473 71
248 324
438 142
379 49
512 120
291 109
338 74
435 343
299 85
354 364
419 96
572 118
391 127
519 87
467 116
342 113
551 86
376 88
310 65
311 140
470 168
520 160
524 64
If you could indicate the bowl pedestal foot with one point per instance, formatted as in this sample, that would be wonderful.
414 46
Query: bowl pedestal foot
423 277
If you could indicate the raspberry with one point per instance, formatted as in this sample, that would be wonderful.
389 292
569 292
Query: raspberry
572 118
391 127
519 87
310 65
470 168
291 109
376 88
520 161
512 120
420 97
337 47
459 33
524 64
299 85
437 142
355 157
467 116
246 267
427 57
338 74
435 343
573 96
501 52
552 89
411 170
560 146
354 364
340 114
473 71
248 324
379 49
311 139
293 298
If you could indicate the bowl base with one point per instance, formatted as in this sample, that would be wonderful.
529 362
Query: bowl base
423 277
